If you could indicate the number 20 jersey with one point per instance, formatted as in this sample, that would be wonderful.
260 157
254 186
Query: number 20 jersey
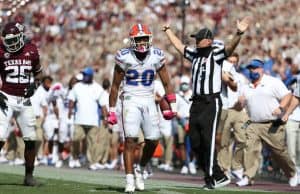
17 69
139 75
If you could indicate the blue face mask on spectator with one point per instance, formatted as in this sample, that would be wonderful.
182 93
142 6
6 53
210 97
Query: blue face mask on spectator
184 87
87 79
254 76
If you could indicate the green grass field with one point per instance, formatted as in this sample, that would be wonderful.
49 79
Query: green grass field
66 181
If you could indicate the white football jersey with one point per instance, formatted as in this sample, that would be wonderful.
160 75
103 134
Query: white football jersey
139 75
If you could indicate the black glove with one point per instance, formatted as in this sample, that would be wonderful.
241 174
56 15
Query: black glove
29 91
3 104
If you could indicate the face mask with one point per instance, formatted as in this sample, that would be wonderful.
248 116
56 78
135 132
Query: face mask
254 76
184 87
204 51
87 79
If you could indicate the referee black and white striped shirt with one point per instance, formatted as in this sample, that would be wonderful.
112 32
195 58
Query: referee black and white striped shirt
206 71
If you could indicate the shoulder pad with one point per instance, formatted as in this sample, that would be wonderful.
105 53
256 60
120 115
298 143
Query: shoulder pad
121 54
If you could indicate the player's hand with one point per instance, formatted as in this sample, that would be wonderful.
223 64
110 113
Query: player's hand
112 118
243 25
29 91
3 104
170 114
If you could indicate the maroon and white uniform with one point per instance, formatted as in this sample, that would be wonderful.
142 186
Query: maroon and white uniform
17 69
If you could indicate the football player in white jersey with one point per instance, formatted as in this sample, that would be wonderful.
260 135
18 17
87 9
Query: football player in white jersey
55 126
137 65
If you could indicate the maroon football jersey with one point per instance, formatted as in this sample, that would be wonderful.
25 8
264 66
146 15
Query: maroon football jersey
17 69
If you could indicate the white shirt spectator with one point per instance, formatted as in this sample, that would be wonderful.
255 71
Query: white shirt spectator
38 100
230 97
87 98
263 99
183 104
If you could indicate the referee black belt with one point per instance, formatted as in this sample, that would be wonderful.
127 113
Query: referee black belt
205 97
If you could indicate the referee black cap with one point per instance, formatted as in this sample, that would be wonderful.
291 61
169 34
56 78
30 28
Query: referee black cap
204 33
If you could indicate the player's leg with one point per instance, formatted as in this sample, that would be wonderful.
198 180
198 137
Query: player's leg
62 138
27 122
131 126
49 136
4 124
152 134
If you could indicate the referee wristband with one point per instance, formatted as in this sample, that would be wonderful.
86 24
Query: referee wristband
239 33
166 28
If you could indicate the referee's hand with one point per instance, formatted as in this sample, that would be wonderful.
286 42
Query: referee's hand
243 25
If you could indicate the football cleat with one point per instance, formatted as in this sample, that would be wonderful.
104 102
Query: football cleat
139 179
129 188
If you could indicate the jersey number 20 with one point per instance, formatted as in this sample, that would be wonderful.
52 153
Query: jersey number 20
133 78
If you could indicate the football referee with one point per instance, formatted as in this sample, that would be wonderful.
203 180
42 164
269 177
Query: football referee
207 59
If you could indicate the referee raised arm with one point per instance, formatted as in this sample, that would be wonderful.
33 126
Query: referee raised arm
207 59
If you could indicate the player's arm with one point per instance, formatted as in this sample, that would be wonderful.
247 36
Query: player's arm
165 79
242 26
37 71
170 95
37 67
174 39
117 79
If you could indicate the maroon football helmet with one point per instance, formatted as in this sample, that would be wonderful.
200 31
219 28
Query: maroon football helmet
13 36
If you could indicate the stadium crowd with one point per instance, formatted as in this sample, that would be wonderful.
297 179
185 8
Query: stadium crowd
74 35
